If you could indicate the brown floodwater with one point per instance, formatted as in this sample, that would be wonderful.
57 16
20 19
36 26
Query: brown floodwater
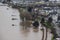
13 30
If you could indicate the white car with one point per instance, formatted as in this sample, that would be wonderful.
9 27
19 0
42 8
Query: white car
57 39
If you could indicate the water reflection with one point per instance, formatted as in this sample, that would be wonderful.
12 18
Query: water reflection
26 27
26 23
29 32
24 31
35 29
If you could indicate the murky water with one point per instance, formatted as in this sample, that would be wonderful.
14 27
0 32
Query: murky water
12 30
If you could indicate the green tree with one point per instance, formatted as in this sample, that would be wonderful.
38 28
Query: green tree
42 22
49 25
50 20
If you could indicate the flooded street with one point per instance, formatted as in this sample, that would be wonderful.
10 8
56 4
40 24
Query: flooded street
10 28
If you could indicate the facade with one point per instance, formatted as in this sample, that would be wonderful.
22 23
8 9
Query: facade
54 0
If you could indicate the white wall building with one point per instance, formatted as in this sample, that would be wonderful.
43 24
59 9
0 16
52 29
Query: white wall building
54 0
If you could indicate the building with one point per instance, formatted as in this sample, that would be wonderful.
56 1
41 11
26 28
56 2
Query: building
54 0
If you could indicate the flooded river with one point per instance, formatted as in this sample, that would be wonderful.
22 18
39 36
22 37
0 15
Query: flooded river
10 28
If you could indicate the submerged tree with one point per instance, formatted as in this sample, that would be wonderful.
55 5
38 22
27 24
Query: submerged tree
50 20
42 22
29 9
48 24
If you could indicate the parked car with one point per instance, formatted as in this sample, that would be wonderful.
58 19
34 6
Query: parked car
57 39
